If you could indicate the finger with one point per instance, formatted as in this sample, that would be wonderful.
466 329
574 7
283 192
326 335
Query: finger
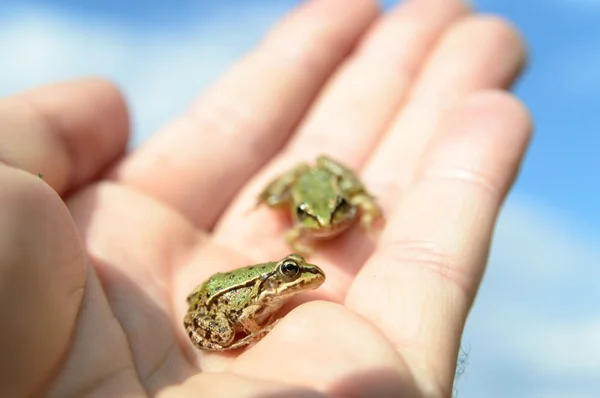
146 281
349 116
199 162
42 275
357 105
99 360
222 384
465 60
68 132
420 283
479 52
137 276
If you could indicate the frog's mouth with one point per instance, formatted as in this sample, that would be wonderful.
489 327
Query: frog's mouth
329 231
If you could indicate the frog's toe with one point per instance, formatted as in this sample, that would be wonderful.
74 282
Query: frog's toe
368 222
301 249
294 239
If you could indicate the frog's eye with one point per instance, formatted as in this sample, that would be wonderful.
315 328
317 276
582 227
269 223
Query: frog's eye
290 269
342 205
301 213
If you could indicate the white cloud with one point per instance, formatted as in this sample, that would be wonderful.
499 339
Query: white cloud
535 328
42 46
526 239
161 71
568 393
563 349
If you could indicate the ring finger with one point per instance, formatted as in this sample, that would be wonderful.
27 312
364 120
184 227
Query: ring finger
464 61
420 283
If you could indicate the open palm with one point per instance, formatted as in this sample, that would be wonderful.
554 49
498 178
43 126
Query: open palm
412 100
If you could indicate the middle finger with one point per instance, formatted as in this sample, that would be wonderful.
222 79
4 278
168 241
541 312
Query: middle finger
348 118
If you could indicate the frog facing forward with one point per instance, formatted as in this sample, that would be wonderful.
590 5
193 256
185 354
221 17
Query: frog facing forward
325 200
237 308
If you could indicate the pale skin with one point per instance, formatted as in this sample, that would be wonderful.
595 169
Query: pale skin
95 290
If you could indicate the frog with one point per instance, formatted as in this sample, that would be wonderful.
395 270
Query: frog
324 200
234 309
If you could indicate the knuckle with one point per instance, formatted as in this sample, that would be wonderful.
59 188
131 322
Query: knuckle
475 178
224 117
304 58
430 257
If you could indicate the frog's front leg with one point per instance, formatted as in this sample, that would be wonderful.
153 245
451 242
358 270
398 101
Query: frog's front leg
369 210
277 192
207 332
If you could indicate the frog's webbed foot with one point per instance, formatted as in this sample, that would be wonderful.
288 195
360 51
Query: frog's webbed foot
370 211
277 192
294 238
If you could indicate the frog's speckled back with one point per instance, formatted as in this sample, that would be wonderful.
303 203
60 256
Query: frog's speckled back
223 281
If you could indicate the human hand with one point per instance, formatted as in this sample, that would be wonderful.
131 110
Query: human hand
92 294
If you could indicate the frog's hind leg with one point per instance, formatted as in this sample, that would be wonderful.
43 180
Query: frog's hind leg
332 165
369 210
349 182
208 333
254 337
277 192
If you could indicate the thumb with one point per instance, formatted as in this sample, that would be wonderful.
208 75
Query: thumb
42 277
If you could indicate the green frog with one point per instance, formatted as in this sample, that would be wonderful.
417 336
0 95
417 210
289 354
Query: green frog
237 308
325 200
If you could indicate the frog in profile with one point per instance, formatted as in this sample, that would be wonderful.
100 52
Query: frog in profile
245 301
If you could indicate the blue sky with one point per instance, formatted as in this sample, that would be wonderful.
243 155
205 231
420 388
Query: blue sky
562 89
535 330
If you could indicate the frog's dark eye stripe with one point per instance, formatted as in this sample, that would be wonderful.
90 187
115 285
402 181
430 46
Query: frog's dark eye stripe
303 214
